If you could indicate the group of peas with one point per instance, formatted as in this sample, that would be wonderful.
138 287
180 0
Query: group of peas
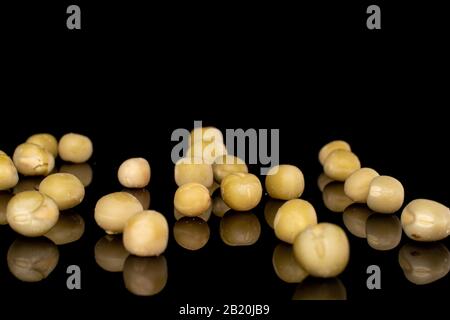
320 249
34 213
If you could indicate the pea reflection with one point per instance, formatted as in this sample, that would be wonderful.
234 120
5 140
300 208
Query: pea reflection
110 254
270 210
204 216
334 197
32 259
191 233
355 218
239 228
384 232
145 276
219 207
323 180
27 184
320 289
69 228
285 265
143 195
4 199
424 263
83 171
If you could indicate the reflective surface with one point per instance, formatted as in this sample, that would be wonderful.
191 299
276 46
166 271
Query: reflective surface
218 252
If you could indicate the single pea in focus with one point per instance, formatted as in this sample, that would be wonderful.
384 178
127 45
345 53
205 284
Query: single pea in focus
146 234
426 220
76 148
113 211
241 191
292 218
386 195
32 213
33 160
357 186
327 149
322 250
340 164
285 182
192 199
134 173
65 189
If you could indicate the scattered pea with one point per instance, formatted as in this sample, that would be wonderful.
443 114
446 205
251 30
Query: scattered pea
33 160
113 211
192 199
241 191
386 195
330 147
146 234
383 232
65 189
76 148
191 233
292 218
357 185
46 141
134 173
340 164
322 250
426 220
32 213
285 182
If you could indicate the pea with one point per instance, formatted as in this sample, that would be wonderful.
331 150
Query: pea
292 218
241 191
426 220
32 213
285 182
322 250
146 234
76 148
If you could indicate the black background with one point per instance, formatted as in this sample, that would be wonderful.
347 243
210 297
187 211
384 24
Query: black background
135 73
